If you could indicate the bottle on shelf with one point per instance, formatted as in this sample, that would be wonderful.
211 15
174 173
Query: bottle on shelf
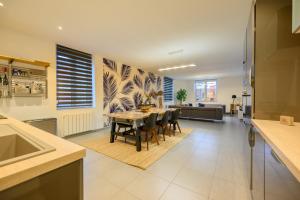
5 84
1 88
5 80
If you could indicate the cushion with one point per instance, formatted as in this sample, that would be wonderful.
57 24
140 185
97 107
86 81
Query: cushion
201 105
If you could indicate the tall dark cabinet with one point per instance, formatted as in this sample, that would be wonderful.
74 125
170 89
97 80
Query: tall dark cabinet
273 67
277 61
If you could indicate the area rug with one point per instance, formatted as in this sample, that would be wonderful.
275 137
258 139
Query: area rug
126 152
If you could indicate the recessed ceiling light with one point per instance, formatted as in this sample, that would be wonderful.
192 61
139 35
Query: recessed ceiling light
176 67
1 4
60 28
176 52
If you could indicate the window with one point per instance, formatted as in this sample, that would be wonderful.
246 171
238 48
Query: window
206 90
168 89
74 75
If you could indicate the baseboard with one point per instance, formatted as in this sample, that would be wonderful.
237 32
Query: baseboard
86 132
201 119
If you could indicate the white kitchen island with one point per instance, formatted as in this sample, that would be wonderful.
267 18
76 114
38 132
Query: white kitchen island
55 174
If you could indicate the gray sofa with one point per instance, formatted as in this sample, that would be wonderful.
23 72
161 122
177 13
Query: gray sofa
213 106
202 113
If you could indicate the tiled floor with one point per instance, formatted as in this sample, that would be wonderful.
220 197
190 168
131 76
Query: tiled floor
208 165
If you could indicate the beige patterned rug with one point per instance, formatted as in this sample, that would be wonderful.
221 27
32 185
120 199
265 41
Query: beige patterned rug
126 152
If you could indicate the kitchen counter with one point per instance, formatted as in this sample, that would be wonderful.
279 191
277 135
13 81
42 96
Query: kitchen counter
65 153
284 140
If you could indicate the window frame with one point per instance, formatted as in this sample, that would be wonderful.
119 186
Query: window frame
206 80
90 83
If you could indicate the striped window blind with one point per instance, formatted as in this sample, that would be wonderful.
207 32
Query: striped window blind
74 77
168 89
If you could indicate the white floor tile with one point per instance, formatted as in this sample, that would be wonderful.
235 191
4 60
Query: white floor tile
100 167
205 152
122 175
225 190
148 187
204 166
124 195
175 192
194 180
208 164
168 166
99 188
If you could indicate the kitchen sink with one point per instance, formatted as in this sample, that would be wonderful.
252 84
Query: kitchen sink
17 145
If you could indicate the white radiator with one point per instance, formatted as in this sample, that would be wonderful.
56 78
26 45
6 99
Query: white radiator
78 122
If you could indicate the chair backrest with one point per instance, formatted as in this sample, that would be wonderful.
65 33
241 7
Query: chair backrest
175 115
166 117
151 121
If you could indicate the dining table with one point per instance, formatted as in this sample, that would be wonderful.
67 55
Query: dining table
136 118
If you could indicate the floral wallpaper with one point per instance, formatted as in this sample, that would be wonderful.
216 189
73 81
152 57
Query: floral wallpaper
125 87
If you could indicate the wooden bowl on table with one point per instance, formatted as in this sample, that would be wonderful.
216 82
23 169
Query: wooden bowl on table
145 108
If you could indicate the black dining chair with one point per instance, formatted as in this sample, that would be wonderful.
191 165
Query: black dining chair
174 120
163 123
149 128
124 125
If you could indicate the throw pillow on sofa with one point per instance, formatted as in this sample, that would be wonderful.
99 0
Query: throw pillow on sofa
201 105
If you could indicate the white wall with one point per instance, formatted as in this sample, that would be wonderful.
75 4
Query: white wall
24 46
25 108
189 86
296 15
227 86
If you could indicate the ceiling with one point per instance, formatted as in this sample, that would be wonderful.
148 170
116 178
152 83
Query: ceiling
208 33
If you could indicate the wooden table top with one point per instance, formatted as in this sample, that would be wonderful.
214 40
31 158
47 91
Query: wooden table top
137 114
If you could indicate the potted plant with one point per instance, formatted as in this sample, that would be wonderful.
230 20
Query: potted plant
181 95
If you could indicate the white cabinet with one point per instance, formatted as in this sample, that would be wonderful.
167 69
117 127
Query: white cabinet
296 16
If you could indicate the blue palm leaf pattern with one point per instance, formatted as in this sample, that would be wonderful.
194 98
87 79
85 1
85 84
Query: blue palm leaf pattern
115 108
138 99
126 103
141 71
125 72
158 83
138 81
152 77
110 88
110 64
127 88
154 94
147 84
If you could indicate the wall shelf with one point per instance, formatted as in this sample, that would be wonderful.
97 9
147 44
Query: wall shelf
11 59
23 81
